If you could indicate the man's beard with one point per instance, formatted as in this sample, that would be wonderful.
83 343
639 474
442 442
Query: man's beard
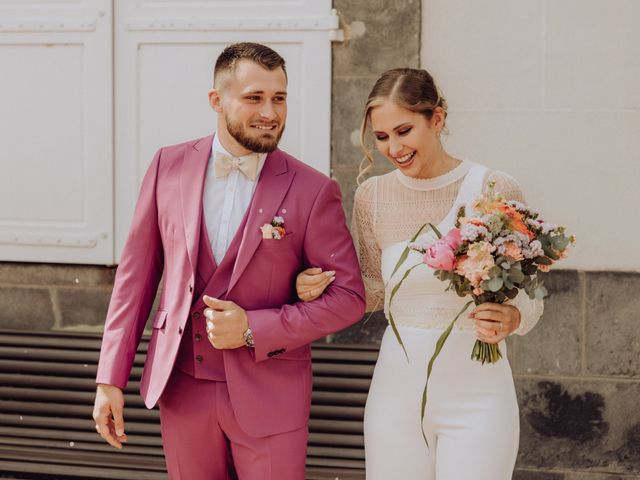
263 144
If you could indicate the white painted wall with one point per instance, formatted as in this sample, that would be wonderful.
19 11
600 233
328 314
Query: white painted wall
549 91
56 138
164 57
90 89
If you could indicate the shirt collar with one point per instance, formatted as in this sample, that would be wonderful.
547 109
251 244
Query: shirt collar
217 147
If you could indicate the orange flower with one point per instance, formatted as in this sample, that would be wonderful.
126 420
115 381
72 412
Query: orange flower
512 250
516 222
476 222
487 205
281 231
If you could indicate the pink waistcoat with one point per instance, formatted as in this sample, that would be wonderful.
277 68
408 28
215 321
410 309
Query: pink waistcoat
196 356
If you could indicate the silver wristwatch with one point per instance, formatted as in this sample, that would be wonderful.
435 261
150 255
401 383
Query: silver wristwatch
248 337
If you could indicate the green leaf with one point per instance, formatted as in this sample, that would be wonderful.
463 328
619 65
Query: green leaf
540 292
495 284
439 344
391 321
512 293
435 230
516 275
495 271
543 261
405 252
559 242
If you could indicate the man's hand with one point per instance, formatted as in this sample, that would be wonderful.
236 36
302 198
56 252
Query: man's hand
226 323
107 413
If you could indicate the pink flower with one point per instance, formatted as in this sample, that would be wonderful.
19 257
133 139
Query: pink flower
440 256
453 238
475 265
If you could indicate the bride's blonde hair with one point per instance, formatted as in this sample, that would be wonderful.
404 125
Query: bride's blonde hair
410 88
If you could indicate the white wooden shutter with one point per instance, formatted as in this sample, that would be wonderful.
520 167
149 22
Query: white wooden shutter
165 53
56 159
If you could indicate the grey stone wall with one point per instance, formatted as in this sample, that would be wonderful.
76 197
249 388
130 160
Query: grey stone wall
379 35
577 373
46 296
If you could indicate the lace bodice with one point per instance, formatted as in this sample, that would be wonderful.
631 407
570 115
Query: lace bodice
389 209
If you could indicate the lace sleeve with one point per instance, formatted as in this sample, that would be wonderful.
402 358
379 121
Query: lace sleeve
506 185
530 310
369 252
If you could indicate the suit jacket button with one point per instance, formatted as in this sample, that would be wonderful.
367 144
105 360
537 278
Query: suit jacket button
198 337
199 358
179 330
196 315
190 288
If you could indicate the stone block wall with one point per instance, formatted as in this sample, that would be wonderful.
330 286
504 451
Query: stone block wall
379 35
577 373
577 376
47 296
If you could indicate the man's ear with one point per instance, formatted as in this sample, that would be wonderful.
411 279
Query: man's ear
215 100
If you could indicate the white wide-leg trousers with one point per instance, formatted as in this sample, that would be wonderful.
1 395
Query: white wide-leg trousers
472 420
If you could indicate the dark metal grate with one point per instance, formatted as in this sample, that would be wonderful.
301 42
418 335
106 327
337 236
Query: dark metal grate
46 401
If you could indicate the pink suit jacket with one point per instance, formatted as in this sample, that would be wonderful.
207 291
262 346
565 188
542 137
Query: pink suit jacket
269 386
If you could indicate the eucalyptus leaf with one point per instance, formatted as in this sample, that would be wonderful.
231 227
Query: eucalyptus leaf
516 275
540 293
495 271
559 242
512 293
495 284
543 261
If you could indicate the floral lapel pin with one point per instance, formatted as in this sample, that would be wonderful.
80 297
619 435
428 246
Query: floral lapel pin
274 230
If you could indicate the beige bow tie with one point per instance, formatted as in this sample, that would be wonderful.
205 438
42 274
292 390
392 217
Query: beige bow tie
248 165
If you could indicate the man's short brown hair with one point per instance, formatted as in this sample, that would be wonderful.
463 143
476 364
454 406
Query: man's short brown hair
253 52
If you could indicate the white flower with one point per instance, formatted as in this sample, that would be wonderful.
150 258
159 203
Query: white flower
470 232
547 227
493 222
536 249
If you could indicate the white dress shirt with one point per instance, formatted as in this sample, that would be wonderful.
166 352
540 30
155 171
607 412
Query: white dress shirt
225 201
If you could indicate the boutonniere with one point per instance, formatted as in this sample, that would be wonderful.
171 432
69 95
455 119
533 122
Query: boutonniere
274 230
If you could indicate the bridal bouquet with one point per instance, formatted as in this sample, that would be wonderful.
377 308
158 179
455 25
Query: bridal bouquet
493 252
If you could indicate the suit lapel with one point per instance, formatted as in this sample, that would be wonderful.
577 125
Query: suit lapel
192 175
273 184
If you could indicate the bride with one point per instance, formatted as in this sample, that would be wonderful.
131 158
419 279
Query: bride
472 422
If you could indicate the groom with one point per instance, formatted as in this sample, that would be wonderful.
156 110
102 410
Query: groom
228 221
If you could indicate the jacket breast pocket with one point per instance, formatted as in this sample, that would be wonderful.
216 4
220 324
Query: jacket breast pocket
160 319
274 244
